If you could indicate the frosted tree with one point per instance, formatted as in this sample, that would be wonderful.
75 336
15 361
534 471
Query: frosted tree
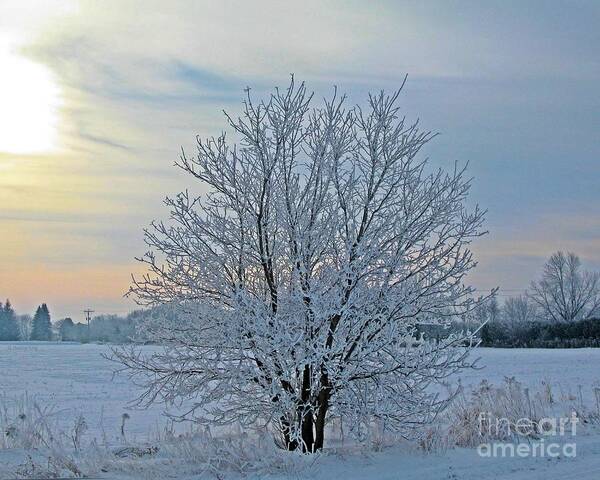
24 322
492 309
518 311
566 293
323 240
66 330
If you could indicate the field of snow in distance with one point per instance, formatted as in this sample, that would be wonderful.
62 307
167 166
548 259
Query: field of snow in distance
75 378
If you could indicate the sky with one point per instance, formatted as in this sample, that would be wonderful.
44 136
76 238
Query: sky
98 98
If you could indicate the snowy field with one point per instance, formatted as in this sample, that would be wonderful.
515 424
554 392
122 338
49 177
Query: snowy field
565 369
76 379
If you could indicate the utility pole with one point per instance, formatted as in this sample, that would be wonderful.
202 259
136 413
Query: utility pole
88 317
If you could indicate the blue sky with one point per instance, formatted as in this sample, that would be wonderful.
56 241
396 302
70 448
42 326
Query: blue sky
512 87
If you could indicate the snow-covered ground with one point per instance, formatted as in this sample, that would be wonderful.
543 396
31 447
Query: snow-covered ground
565 369
76 379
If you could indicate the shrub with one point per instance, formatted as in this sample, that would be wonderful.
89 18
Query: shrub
580 334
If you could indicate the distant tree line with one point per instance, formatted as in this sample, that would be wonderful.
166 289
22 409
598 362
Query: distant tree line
102 328
540 334
561 310
15 327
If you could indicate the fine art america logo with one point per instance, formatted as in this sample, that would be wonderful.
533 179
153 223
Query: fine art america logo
546 437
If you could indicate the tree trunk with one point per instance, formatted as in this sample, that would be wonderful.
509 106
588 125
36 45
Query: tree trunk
310 417
306 426
290 444
305 413
323 403
320 421
308 437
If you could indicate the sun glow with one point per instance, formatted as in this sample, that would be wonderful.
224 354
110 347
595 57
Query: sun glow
29 102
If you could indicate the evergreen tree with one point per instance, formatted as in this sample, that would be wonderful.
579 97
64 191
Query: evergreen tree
41 326
2 325
10 320
9 328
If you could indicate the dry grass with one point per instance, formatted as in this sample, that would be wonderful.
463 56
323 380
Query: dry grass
49 452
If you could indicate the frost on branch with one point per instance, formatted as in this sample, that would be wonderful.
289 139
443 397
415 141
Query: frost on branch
299 278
